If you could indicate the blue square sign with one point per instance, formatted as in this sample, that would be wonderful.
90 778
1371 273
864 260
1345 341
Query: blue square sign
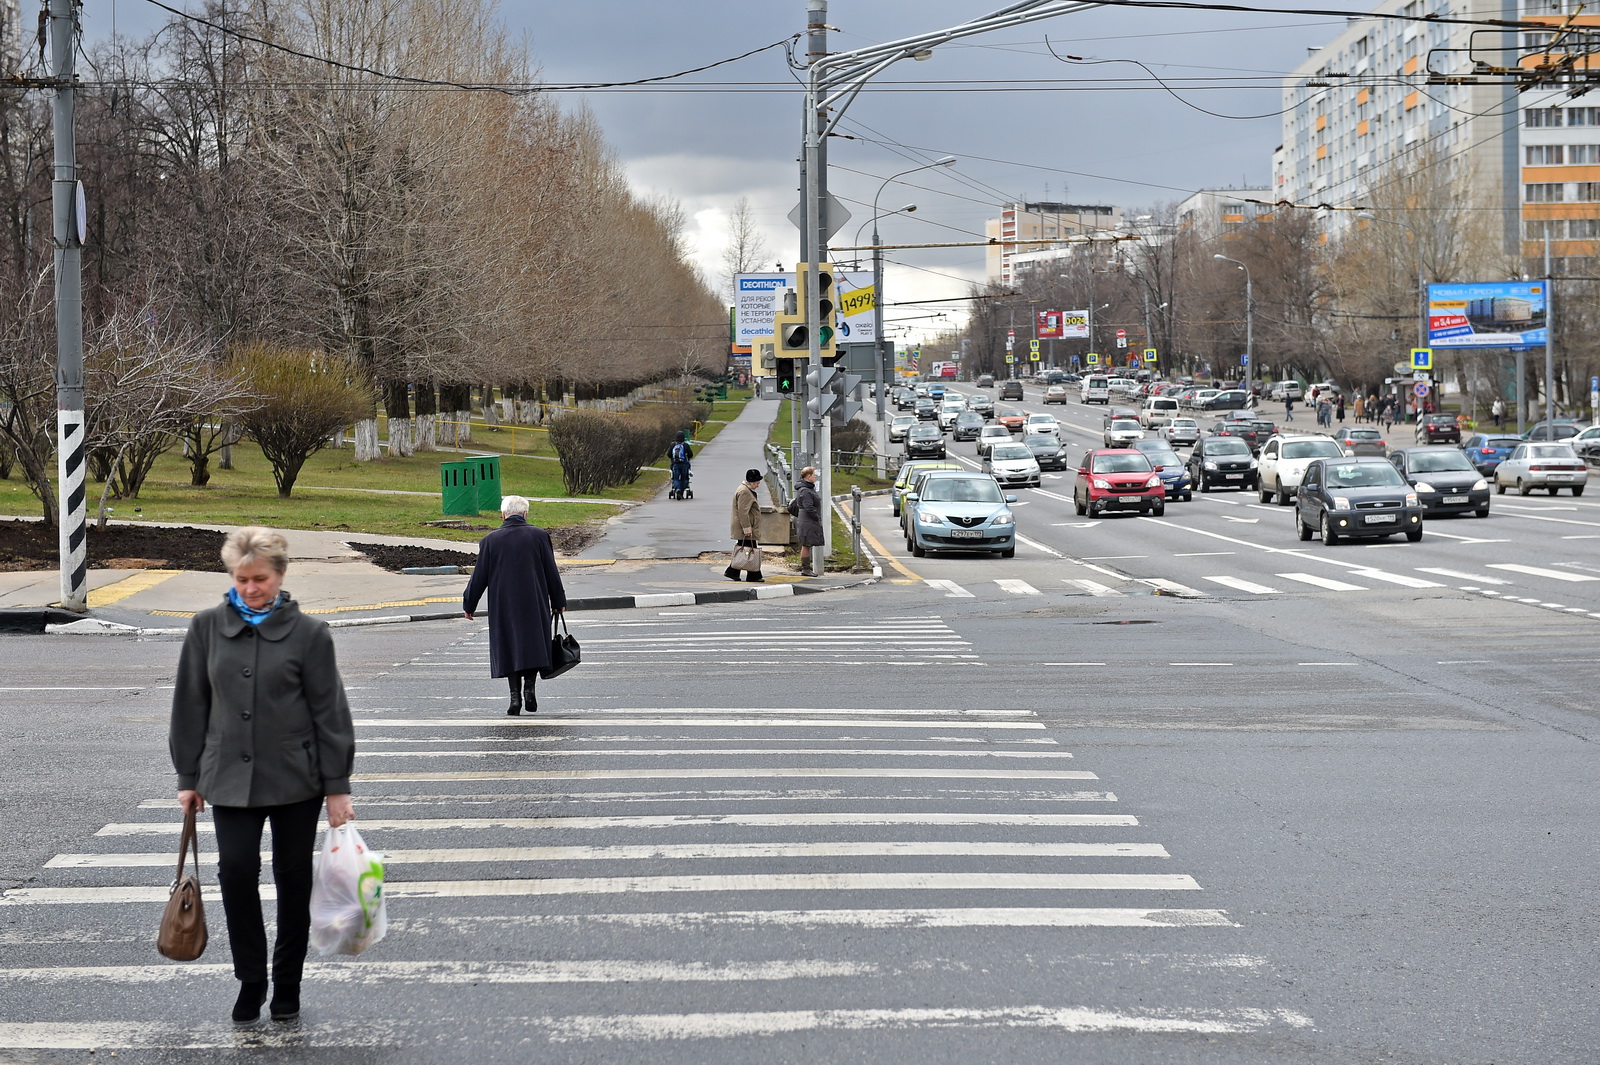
1422 358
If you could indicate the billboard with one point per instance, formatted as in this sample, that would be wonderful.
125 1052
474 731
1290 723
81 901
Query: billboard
1048 325
1074 325
1493 314
757 299
855 300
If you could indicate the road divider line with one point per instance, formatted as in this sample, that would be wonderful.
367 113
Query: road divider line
1322 582
1037 546
541 721
1242 585
1536 571
951 589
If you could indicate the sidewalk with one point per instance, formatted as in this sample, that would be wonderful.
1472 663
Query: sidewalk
649 556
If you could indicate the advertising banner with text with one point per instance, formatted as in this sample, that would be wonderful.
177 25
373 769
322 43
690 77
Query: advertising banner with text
1495 314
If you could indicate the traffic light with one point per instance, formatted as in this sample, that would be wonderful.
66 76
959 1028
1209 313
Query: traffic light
785 376
819 386
821 292
845 385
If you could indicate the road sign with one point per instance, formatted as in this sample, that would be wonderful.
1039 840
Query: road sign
1094 358
832 210
1150 356
1033 345
1420 388
1074 360
1122 338
1421 359
1010 358
1133 362
1244 360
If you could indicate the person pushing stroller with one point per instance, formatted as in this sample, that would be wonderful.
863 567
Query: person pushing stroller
680 455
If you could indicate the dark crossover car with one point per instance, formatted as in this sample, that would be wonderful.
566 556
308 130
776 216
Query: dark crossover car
1356 497
1445 480
1048 451
1011 390
967 426
1362 440
1118 479
1486 451
924 441
1438 428
927 410
1222 462
1250 432
1174 474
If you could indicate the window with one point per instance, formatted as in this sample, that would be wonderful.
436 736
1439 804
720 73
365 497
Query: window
1583 228
1547 192
1542 117
1588 192
1582 154
1583 116
1539 230
1535 41
1543 155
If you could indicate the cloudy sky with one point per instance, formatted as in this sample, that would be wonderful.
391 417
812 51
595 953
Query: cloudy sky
1024 123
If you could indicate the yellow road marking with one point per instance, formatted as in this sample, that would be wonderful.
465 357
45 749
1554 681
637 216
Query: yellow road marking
883 553
130 585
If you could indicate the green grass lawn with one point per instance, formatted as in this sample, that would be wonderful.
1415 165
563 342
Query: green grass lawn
843 476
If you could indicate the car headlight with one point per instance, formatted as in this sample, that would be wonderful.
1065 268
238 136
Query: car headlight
1480 485
1341 502
1004 519
1104 486
928 517
1411 499
1154 482
1423 486
1252 464
1211 465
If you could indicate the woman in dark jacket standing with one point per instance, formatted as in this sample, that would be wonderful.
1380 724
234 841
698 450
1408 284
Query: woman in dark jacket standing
260 728
517 567
808 520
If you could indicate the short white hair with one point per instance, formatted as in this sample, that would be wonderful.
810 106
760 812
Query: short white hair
255 544
510 505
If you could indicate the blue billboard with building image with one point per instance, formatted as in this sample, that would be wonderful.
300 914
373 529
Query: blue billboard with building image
1494 314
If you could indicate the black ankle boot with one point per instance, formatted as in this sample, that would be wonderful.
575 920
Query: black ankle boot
731 573
285 1002
516 696
530 699
247 1009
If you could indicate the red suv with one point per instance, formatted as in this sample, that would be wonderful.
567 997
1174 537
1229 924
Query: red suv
1118 479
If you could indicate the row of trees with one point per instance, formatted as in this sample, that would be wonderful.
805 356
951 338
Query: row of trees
1332 302
438 240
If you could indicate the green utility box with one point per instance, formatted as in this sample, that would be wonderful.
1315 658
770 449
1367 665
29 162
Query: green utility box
458 487
488 470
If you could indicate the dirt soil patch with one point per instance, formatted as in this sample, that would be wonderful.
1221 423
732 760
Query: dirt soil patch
30 545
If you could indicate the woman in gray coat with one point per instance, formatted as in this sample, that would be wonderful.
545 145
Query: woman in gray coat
807 510
260 728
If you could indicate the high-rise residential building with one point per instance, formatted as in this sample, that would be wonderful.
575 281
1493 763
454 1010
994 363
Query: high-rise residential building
1387 95
1041 221
1216 212
10 36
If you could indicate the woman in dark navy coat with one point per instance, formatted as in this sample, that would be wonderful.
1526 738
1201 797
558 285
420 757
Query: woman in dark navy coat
517 567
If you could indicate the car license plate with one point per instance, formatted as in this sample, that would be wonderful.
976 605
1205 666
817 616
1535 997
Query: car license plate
1130 499
1558 477
966 534
1381 519
1457 499
1235 476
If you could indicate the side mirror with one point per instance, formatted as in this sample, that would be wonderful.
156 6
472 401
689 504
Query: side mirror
911 497
1010 497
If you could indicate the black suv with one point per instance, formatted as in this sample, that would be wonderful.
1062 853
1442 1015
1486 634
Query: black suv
1445 480
1011 390
1354 497
1222 461
924 441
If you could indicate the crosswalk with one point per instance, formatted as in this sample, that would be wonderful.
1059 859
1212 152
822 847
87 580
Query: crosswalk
1352 579
846 871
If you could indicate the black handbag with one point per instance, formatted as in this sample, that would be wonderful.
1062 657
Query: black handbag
564 651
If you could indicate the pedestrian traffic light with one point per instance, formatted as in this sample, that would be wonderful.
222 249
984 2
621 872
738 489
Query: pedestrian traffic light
844 385
785 376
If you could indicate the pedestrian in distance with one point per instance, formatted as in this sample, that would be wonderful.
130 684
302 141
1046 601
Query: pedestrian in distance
1388 416
261 729
679 456
807 509
1338 408
1288 408
1498 410
745 523
1360 406
517 567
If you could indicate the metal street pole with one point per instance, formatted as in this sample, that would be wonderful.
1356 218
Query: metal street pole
1549 340
68 214
882 372
1249 327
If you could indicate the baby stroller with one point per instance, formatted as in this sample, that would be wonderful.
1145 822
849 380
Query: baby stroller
680 455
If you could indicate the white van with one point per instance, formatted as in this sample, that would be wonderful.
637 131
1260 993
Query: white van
1157 411
1096 388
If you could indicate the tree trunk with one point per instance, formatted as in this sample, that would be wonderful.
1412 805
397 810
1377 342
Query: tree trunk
427 416
366 437
397 405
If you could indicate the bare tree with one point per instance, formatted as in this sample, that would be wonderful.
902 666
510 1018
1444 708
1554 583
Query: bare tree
746 249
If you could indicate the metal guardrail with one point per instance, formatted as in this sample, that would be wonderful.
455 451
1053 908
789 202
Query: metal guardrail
779 465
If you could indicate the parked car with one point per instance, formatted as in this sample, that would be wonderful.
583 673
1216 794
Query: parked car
1362 440
1197 399
924 441
1486 450
898 425
1229 399
1011 390
991 435
1174 474
1285 390
1222 462
1048 451
1117 479
1013 419
960 512
1438 428
1355 497
909 472
1560 429
1446 482
1056 394
1284 459
1548 466
1012 465
1120 432
1042 423
1180 431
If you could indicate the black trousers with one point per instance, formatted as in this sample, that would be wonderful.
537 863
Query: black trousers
294 841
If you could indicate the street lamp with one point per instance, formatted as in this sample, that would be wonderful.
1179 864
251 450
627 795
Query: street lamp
1422 288
1249 328
880 374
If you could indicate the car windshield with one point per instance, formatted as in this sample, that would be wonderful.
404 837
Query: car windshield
1041 419
1364 434
1440 462
1134 463
1163 457
1010 452
997 431
1040 440
1011 414
1222 445
1506 442
1184 423
1310 449
1362 475
926 432
1118 424
960 490
966 417
1552 451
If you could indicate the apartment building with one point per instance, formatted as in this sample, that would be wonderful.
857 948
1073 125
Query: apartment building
10 36
1041 221
1216 212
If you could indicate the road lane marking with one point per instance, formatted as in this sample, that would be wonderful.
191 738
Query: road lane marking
1327 663
1094 588
1110 558
897 918
951 589
142 581
1036 545
1459 575
669 752
1202 554
1199 663
1243 585
1322 582
743 773
1395 578
1018 587
1535 571
540 720
1182 591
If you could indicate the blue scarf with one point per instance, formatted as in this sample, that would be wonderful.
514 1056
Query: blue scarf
250 614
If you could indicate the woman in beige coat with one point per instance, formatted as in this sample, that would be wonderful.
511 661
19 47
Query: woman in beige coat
746 522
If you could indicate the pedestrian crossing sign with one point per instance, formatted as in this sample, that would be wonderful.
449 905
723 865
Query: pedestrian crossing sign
1422 358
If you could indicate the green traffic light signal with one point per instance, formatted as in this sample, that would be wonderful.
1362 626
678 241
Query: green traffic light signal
785 376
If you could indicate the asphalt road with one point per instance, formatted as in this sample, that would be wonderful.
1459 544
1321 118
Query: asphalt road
898 824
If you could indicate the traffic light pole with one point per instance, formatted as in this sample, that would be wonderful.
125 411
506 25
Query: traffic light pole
70 490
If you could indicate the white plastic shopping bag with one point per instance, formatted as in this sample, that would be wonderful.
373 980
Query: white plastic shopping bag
347 907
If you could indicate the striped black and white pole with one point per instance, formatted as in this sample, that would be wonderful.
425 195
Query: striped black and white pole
68 209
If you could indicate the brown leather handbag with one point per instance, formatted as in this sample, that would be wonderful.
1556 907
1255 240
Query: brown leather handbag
183 922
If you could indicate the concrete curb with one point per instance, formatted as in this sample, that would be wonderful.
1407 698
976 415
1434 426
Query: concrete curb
97 627
34 619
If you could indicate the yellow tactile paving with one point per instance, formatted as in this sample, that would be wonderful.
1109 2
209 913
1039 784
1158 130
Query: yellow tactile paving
133 584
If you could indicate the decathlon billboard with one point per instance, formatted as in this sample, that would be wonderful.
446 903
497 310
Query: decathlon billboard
757 299
1494 314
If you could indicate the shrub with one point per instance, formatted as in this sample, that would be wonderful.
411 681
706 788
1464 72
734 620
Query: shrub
852 438
600 451
305 397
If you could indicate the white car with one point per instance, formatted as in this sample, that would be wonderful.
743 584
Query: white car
948 412
1181 430
1539 465
898 425
1042 423
990 435
1123 384
1197 401
1121 432
1283 461
1012 464
1157 411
